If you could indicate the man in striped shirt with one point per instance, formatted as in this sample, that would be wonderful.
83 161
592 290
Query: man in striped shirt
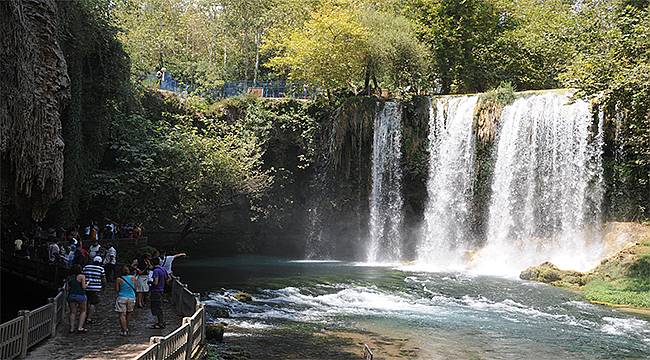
96 279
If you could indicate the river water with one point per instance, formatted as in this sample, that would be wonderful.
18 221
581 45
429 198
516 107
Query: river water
446 315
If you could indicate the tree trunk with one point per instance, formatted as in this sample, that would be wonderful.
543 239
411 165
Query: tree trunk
187 230
374 81
257 57
366 82
225 53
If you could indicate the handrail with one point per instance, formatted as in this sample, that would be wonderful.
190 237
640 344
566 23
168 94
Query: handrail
188 340
31 327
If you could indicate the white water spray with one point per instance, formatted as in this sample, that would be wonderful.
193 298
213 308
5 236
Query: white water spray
546 189
386 195
446 231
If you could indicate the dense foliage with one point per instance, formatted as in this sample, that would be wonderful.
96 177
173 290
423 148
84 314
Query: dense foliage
177 162
235 149
98 69
613 64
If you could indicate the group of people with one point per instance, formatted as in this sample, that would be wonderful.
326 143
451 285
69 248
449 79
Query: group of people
60 245
146 278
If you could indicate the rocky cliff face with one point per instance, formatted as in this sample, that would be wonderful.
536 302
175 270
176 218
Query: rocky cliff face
35 88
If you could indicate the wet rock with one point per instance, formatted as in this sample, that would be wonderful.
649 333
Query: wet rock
214 332
220 312
243 297
551 274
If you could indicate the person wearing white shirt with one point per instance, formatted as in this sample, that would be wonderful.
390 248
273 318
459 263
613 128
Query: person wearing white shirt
109 262
166 261
94 249
53 252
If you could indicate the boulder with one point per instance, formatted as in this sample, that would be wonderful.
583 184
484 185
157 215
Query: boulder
214 332
220 312
243 297
551 274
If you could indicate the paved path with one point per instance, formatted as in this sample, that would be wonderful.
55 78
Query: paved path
103 340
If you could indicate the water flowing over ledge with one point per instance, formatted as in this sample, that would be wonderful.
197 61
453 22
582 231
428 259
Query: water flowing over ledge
386 195
530 193
451 175
545 193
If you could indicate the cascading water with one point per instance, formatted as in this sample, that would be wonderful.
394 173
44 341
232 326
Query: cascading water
386 195
446 235
546 187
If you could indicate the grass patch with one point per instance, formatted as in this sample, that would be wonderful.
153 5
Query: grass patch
626 291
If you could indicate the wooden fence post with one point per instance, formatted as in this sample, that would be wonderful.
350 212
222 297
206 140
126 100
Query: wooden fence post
189 344
197 301
25 340
156 340
54 315
203 324
179 301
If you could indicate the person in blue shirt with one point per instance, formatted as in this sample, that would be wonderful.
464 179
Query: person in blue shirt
125 302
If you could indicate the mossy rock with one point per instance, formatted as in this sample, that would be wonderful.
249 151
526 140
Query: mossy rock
214 332
551 274
243 297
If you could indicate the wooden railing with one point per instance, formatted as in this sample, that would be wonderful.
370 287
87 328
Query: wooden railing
188 340
31 327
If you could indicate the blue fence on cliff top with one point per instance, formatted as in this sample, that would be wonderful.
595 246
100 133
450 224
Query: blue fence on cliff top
269 88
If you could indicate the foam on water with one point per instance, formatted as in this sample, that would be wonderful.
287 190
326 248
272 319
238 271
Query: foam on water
291 303
628 326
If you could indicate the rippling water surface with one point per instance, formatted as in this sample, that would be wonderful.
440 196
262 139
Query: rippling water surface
447 315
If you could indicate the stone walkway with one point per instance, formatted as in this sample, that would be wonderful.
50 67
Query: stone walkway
103 340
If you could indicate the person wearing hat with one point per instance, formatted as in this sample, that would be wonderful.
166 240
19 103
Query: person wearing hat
96 279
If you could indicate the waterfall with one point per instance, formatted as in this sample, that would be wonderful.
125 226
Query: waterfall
546 187
386 195
446 235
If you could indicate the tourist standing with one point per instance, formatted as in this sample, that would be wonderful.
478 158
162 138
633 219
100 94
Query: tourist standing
109 262
94 249
142 286
159 276
18 248
125 302
53 252
77 299
167 260
96 279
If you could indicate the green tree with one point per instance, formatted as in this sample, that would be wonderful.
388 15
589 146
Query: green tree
613 66
328 51
348 44
178 35
178 169
394 54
